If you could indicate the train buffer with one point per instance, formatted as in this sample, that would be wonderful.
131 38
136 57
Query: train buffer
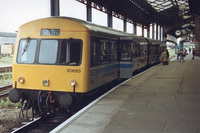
165 98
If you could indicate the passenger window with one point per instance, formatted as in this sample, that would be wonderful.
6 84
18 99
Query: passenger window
70 52
48 51
93 60
27 51
126 51
136 50
113 48
105 52
143 50
102 51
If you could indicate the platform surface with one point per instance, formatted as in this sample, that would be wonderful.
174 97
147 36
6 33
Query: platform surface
164 99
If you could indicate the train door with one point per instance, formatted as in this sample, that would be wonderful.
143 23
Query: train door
157 53
94 63
126 55
148 53
144 55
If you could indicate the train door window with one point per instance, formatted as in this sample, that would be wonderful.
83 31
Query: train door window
48 51
153 49
135 53
139 49
157 49
126 51
27 51
113 48
70 52
138 45
105 52
93 60
143 49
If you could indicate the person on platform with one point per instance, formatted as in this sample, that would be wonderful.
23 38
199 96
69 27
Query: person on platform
193 53
184 52
178 53
164 58
167 55
181 56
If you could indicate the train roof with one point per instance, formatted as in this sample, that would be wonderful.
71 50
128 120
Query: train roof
96 28
135 38
102 29
155 41
106 30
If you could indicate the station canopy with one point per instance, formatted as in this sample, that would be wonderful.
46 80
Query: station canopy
172 14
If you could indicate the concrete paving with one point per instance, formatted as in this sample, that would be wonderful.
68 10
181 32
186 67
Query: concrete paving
164 99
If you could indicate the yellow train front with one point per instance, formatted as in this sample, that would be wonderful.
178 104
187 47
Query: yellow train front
51 64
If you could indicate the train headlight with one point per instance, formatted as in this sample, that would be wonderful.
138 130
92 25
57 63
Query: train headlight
21 80
72 82
45 82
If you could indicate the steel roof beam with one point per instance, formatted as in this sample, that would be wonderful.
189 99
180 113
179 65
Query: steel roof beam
55 8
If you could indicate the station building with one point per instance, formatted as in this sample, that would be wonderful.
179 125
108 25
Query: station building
7 41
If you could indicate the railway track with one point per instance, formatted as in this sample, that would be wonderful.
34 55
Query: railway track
42 125
6 69
4 75
5 90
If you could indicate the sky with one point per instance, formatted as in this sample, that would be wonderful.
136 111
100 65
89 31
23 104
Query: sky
14 13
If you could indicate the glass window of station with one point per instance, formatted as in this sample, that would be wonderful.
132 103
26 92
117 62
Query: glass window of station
50 51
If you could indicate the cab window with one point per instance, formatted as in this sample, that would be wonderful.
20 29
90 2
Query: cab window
48 51
27 51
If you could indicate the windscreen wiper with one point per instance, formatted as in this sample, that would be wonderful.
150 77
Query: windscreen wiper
26 45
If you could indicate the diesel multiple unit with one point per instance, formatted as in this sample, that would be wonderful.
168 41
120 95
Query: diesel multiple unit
59 59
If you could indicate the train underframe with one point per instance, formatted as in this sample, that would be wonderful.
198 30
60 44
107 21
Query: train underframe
44 103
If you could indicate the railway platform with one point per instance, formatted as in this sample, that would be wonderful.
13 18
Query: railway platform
163 99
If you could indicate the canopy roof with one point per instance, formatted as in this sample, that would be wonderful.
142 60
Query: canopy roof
171 14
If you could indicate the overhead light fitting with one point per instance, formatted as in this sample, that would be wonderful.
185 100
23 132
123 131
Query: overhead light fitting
178 32
186 16
182 7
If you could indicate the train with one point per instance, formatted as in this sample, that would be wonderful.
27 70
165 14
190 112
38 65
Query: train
57 60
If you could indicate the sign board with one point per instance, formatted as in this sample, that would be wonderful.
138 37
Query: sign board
6 48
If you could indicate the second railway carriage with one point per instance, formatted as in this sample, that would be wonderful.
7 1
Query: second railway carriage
137 53
133 55
58 59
